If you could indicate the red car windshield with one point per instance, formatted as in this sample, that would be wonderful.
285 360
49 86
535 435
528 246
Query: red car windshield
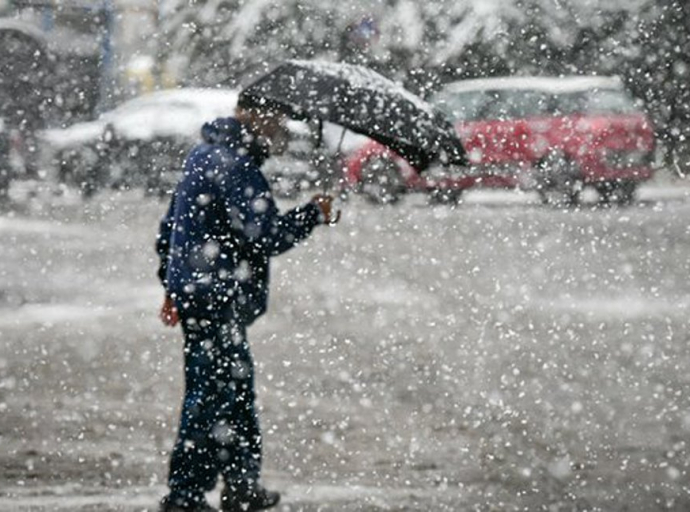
596 101
504 104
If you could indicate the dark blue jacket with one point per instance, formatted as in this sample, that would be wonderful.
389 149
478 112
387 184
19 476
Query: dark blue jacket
223 226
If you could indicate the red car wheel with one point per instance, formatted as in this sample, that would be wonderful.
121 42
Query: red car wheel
381 181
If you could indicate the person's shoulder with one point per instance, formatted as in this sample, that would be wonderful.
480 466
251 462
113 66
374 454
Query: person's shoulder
249 169
203 151
246 178
204 157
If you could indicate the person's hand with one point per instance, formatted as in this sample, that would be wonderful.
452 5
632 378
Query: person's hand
325 204
168 314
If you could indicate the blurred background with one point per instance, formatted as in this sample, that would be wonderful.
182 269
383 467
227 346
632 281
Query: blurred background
493 355
92 54
69 61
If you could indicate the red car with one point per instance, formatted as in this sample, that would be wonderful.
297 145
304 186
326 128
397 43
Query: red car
552 135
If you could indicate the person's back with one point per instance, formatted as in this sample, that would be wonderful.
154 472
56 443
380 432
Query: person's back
226 226
208 246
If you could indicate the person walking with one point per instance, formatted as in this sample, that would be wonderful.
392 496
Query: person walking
215 244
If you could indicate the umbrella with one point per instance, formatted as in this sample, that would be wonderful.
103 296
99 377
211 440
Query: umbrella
361 100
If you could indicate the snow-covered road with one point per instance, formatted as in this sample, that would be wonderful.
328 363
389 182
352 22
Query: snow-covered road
494 356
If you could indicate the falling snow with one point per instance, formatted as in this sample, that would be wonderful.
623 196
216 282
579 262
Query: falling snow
510 335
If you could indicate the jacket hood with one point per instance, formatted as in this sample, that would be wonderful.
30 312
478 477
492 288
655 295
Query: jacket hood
228 131
224 130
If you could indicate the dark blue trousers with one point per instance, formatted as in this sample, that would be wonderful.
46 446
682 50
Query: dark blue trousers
219 431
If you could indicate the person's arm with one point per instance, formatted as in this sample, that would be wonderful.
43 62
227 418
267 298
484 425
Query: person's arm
168 312
163 242
253 212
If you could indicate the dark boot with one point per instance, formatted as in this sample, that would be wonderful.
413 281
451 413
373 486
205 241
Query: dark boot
257 498
168 505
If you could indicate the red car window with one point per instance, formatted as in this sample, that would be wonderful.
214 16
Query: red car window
464 106
516 104
596 101
493 104
507 104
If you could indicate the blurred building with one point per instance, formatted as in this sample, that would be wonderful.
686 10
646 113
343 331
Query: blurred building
135 38
103 50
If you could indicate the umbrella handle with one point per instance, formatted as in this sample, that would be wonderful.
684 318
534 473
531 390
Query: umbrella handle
338 156
334 221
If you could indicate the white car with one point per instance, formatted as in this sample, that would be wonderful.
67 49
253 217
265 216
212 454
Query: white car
142 142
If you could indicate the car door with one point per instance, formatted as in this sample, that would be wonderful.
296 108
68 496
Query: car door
501 136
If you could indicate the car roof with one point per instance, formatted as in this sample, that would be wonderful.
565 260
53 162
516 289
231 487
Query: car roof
563 84
201 105
196 96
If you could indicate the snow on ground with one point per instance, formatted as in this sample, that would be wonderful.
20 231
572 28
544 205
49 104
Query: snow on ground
494 356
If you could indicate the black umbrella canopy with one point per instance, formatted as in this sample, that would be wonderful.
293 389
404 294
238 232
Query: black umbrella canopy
361 100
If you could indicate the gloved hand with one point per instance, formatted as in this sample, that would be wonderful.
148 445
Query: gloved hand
168 314
325 204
